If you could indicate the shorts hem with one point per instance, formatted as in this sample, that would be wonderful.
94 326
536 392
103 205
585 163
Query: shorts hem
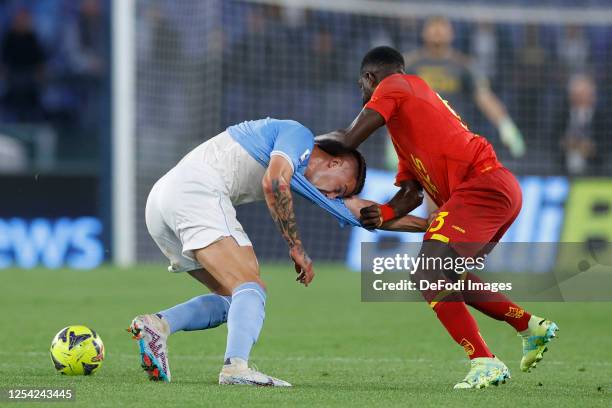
182 269
205 241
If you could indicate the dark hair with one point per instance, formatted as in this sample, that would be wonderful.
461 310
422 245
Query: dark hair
337 149
383 56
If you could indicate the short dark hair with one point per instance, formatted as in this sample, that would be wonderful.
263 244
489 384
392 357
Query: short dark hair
336 149
383 56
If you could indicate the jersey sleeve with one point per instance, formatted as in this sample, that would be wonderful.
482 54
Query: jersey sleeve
387 97
403 173
336 207
294 143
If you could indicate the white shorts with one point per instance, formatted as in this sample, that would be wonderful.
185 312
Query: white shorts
188 209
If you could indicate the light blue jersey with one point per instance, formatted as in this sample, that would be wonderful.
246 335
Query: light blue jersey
268 137
265 138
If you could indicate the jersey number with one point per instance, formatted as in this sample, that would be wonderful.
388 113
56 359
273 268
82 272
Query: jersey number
425 177
438 222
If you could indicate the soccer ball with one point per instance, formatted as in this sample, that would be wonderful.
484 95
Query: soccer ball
77 350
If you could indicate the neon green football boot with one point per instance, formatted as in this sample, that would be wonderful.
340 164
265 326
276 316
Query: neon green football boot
484 372
535 341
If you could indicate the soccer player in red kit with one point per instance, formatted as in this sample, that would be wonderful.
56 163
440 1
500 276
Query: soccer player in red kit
478 199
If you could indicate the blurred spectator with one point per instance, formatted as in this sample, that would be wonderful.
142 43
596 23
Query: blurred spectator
160 47
86 47
487 47
451 74
532 73
574 49
323 62
407 33
582 129
380 33
252 51
23 65
294 17
85 41
484 47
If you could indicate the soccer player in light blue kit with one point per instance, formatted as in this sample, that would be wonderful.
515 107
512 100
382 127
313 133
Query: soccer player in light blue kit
190 214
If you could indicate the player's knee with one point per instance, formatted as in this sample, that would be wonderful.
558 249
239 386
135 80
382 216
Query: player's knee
248 271
433 256
233 275
247 279
437 249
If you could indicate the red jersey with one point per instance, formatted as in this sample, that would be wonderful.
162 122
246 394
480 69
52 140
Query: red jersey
433 145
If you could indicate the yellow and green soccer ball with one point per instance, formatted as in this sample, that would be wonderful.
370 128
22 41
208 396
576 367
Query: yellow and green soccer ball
77 350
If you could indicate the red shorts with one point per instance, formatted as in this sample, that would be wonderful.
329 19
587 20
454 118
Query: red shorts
480 210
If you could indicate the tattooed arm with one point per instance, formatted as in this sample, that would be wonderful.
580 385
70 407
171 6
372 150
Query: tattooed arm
277 191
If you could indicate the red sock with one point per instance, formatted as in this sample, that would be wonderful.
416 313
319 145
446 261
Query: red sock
499 307
463 328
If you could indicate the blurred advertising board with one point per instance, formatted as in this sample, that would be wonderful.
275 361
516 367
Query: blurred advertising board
555 209
50 221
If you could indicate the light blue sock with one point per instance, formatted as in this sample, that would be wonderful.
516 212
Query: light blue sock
244 320
199 313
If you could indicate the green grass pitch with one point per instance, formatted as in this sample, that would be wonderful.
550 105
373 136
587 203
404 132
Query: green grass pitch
336 350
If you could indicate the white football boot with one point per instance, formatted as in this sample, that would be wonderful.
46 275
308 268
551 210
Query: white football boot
484 371
239 373
152 334
535 341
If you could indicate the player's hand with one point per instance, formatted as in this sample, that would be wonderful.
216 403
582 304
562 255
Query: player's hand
374 216
512 138
432 217
303 264
371 217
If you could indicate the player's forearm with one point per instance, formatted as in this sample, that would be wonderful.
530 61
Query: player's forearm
407 223
374 216
362 127
491 107
409 197
496 112
355 204
278 197
336 136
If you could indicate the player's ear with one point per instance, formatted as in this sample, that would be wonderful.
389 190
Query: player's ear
335 162
369 78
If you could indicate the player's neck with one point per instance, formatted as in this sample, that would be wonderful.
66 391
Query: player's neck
317 158
438 52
